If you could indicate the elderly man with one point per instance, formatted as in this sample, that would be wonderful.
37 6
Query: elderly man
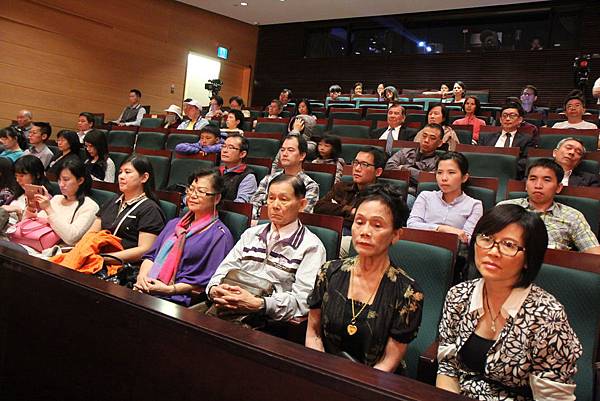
283 251
569 154
24 121
239 179
567 227
132 114
395 130
194 119
275 108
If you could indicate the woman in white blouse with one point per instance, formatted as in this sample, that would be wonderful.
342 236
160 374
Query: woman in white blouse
98 164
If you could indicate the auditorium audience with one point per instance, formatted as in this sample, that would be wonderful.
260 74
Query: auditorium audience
293 152
239 180
395 129
329 150
237 103
363 307
567 227
439 114
68 146
13 142
261 251
471 107
214 110
448 209
501 336
234 122
210 142
528 98
194 119
85 124
133 215
24 120
569 153
134 112
38 135
459 91
574 108
189 249
173 117
8 184
98 163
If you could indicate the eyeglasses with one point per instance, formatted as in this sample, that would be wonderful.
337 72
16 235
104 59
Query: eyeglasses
505 247
230 147
357 163
198 192
512 116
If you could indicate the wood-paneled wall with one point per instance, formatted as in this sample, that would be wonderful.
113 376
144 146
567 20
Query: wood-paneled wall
281 64
61 57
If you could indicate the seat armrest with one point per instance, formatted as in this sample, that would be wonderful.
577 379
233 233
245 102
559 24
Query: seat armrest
198 296
427 365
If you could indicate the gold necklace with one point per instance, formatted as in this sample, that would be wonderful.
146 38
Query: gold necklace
351 328
487 302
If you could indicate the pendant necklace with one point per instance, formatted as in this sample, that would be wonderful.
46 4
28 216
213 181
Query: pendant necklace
351 328
487 302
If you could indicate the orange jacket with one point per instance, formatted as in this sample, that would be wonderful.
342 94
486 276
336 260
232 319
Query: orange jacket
85 256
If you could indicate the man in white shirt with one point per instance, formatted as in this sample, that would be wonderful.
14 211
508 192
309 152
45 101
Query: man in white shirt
596 90
85 124
575 108
395 130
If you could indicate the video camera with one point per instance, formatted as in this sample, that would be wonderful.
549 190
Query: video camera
214 85
581 70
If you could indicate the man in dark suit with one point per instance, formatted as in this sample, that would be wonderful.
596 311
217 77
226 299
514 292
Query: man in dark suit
511 118
395 130
569 153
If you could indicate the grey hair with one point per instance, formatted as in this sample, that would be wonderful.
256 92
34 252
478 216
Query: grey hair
27 113
570 138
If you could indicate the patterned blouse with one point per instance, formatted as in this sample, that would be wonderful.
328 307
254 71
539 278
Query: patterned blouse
533 358
395 311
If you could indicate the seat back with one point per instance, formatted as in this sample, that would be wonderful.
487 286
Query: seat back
181 169
350 150
236 223
121 138
175 139
263 147
101 196
504 167
150 140
353 131
118 158
328 229
151 122
168 208
589 166
161 166
323 179
549 141
278 127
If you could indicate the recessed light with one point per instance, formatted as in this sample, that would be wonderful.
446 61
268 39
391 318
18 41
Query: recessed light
243 3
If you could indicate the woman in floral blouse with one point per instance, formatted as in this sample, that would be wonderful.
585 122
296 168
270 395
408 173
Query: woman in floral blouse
502 337
364 308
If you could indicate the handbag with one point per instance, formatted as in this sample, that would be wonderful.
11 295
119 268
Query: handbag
35 233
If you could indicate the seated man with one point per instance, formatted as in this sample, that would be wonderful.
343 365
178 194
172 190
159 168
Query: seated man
38 135
24 120
334 92
366 167
528 98
567 227
132 114
282 251
395 130
85 124
569 154
284 97
239 179
292 152
575 108
274 109
418 159
194 120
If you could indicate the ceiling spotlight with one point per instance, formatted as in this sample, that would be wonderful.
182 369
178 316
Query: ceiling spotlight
421 44
243 3
428 48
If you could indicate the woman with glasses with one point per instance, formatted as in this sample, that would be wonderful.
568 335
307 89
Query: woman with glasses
501 336
189 249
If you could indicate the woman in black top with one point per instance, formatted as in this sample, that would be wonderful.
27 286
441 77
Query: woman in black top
133 215
364 307
69 146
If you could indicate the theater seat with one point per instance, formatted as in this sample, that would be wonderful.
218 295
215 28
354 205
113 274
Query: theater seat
324 180
101 196
175 139
181 169
278 127
121 138
353 131
161 166
151 122
150 140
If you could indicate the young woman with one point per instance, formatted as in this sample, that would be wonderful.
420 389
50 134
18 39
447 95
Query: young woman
303 108
363 306
328 152
8 185
14 143
71 213
69 146
471 108
438 114
381 91
459 91
448 210
501 336
133 215
357 89
189 249
99 166
390 94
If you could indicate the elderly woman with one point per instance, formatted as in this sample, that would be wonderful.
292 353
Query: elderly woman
283 252
438 114
189 249
363 307
501 336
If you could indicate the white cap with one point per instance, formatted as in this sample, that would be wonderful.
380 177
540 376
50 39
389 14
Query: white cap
194 103
174 109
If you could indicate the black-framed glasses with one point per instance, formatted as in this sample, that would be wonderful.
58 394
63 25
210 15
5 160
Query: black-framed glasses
512 116
505 247
198 192
357 163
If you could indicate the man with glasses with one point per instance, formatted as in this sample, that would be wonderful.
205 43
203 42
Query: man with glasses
239 179
38 135
567 227
528 99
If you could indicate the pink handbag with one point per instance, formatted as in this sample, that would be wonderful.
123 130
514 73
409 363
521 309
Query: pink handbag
35 233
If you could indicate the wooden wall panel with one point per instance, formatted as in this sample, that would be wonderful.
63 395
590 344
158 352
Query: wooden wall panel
68 56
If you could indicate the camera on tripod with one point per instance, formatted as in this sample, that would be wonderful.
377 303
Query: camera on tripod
214 85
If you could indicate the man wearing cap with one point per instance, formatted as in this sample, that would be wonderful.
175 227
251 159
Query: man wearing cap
173 118
132 114
195 120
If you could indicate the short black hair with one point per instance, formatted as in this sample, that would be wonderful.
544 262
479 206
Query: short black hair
535 237
89 117
302 144
379 157
45 128
137 92
532 88
513 105
29 164
574 95
288 91
211 129
219 99
237 99
295 181
244 143
389 195
460 159
437 127
238 116
445 112
335 88
217 181
336 144
549 164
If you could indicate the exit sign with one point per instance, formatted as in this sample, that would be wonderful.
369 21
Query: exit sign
222 52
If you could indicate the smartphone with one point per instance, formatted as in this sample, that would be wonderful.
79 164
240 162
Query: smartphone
30 192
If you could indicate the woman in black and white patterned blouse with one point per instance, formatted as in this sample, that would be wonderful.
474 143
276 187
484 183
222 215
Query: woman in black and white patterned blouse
502 337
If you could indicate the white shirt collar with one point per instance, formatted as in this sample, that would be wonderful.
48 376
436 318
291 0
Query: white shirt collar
285 231
510 307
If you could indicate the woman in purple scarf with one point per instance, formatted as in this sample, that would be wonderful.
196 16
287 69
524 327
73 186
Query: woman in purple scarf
189 249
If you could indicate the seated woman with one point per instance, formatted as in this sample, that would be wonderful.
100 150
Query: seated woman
234 122
459 90
133 215
502 337
303 108
364 307
14 143
448 210
357 89
438 114
69 146
71 213
471 107
98 164
8 185
390 94
189 249
328 152
173 117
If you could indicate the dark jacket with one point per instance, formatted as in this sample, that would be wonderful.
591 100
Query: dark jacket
580 178
405 135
